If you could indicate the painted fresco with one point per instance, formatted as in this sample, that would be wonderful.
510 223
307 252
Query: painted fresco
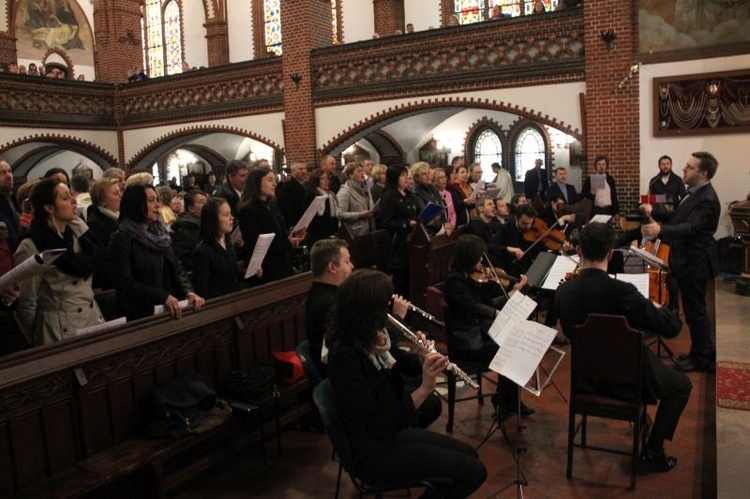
685 24
42 25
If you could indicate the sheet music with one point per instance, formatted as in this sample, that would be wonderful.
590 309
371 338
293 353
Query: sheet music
518 307
259 253
33 265
104 326
493 193
235 235
310 213
522 350
477 188
557 272
640 281
159 309
648 257
598 181
602 219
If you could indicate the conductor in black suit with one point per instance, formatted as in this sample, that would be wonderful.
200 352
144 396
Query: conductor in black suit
535 183
689 230
593 291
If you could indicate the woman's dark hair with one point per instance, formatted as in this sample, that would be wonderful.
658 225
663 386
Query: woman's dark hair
360 310
467 252
209 232
252 187
55 171
392 175
313 181
42 194
133 203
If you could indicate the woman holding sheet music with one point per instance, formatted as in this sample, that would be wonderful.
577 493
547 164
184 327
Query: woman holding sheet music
473 307
143 266
52 306
355 202
259 214
326 223
426 193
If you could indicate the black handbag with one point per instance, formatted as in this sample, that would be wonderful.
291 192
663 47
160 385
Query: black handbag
177 407
249 386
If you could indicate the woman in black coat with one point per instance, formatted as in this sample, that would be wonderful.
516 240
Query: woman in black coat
381 417
259 214
141 261
215 270
102 221
397 212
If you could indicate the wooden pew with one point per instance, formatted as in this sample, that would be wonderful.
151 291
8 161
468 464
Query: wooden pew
429 262
69 417
367 250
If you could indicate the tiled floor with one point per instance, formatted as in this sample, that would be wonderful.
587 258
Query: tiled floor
306 470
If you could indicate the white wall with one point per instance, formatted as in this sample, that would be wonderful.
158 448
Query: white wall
423 14
67 160
359 20
240 30
731 150
194 18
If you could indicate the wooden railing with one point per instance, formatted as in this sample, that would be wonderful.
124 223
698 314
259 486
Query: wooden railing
62 404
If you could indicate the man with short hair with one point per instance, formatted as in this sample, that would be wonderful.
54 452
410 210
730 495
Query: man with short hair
561 187
516 263
291 195
502 211
504 182
535 183
210 186
593 291
186 229
10 224
232 188
488 228
690 230
330 264
667 183
604 200
328 165
367 165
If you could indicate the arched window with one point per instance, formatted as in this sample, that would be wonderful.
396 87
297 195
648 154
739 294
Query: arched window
529 148
488 149
272 25
472 11
162 34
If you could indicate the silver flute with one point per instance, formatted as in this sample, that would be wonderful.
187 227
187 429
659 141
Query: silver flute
429 349
425 314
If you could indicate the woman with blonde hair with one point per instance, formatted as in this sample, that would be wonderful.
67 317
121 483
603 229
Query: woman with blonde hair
355 202
378 181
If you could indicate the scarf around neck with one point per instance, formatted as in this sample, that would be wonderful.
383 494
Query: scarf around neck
155 238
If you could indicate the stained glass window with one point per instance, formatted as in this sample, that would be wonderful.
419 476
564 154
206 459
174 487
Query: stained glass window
173 38
472 11
163 38
335 21
487 150
529 148
272 24
469 11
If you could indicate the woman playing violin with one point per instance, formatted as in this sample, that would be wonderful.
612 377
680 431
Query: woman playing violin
473 308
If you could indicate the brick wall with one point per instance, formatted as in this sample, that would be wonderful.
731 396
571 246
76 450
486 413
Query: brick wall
117 23
305 25
389 16
217 40
7 48
612 113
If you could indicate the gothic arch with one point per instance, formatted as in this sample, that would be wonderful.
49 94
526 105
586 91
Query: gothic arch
49 144
148 155
392 114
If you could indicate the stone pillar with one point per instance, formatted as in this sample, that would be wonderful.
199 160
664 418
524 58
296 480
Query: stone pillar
118 38
612 113
305 25
217 39
389 16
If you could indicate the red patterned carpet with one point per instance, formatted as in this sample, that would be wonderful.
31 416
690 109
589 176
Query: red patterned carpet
733 385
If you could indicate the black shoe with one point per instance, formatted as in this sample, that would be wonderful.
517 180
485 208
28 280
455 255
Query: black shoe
526 411
695 365
560 342
655 462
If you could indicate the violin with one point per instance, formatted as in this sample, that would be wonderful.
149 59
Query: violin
552 239
494 275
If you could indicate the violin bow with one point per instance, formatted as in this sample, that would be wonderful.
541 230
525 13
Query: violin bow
489 262
557 222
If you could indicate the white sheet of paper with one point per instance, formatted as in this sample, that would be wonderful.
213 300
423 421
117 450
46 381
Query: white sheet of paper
235 235
640 281
492 193
159 309
33 265
259 253
477 188
310 213
602 219
598 181
522 350
519 307
648 257
557 272
104 326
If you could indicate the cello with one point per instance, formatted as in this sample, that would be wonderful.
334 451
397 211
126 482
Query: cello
658 291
